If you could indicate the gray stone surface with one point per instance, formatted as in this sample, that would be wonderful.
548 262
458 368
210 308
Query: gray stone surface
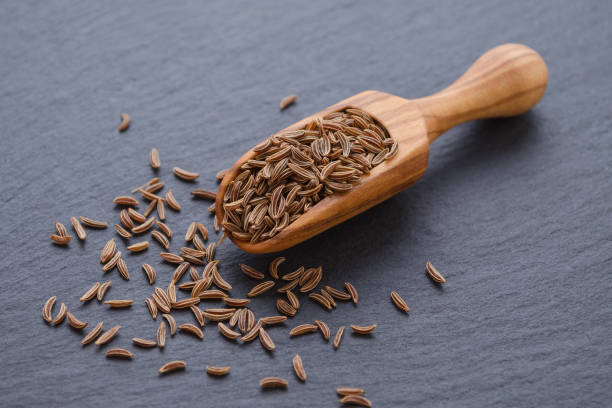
515 213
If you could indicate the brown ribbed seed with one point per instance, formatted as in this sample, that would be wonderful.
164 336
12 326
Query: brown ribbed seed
136 216
293 299
126 220
145 226
92 334
78 228
102 290
61 315
150 272
172 366
122 232
91 293
112 262
161 210
219 176
261 288
338 337
171 258
126 200
123 269
192 329
302 329
218 371
251 272
164 228
154 158
250 316
434 274
61 229
329 298
184 174
241 320
197 313
273 382
60 240
171 323
108 336
204 194
298 367
161 335
288 286
363 329
349 391
191 230
266 340
227 332
185 303
269 320
288 101
313 281
359 400
47 308
108 251
293 275
399 302
352 291
125 122
273 267
320 299
119 353
139 246
152 307
323 328
161 239
93 223
74 322
338 294
171 200
213 294
119 303
253 333
140 342
285 308
232 302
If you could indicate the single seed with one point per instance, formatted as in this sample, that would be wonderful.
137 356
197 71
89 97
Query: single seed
164 228
60 240
140 342
136 216
102 290
288 286
161 210
93 223
202 230
154 158
285 308
434 274
356 400
399 302
74 322
171 291
253 333
190 232
126 200
172 366
287 101
260 288
162 295
150 208
273 382
352 291
269 320
297 274
184 174
108 251
152 306
119 303
210 251
112 262
218 371
150 273
119 353
170 257
126 220
250 319
150 196
161 238
125 122
171 200
349 391
338 337
213 294
139 247
298 367
323 328
302 329
293 299
185 303
266 340
251 272
61 229
320 299
171 322
91 293
204 194
78 228
220 282
329 298
363 329
122 232
161 335
221 174
313 281
273 267
148 183
217 317
108 336
92 334
197 313
161 305
192 329
61 315
216 224
47 309
123 269
227 332
236 302
338 294
180 271
145 226
242 317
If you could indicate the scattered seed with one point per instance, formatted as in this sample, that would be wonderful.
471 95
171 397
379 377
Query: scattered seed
122 232
329 298
287 101
108 251
227 332
93 223
61 315
273 382
399 302
150 273
136 216
61 229
150 208
266 340
293 299
108 336
139 247
313 281
298 367
47 309
352 291
297 274
356 400
434 274
171 322
140 342
78 228
145 226
154 158
363 329
192 329
102 290
152 306
171 200
119 353
253 333
232 302
269 320
125 122
204 194
285 308
172 366
180 271
218 371
213 294
338 294
349 391
164 228
91 293
184 174
60 240
92 334
171 258
112 262
74 322
323 328
273 267
123 269
260 288
302 329
251 272
320 299
161 335
185 303
161 210
119 303
338 337
288 286
126 200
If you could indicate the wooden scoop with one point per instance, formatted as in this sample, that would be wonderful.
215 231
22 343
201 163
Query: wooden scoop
506 81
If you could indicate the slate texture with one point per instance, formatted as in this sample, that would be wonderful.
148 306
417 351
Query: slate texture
515 213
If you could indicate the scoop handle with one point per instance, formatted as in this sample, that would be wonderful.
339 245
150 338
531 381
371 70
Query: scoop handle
505 81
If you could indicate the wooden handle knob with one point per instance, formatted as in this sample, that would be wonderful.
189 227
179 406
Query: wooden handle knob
505 81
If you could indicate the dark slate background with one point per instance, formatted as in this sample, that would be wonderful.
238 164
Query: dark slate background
515 212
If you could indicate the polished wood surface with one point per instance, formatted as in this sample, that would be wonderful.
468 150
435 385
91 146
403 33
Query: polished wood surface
505 81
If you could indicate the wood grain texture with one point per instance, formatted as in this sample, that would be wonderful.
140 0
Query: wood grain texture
505 81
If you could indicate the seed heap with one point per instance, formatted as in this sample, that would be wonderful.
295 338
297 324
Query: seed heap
295 170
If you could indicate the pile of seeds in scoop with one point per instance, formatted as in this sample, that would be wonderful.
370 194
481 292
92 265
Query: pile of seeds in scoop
296 169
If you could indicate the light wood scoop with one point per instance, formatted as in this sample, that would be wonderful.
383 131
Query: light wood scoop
506 81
